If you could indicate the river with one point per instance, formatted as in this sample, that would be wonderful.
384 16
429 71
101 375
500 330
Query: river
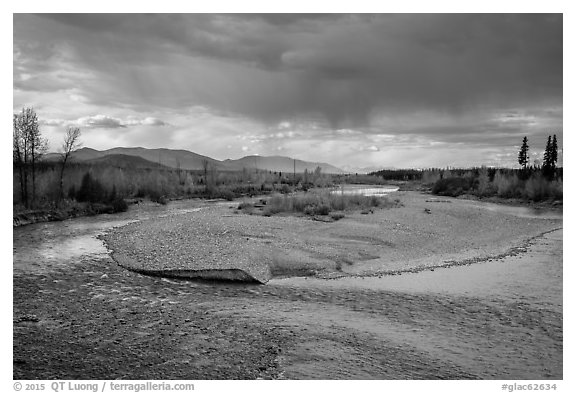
493 320
365 189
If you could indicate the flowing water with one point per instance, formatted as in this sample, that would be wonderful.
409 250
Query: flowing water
492 320
534 277
519 211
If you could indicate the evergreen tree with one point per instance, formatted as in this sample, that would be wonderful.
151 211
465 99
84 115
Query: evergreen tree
91 190
554 152
523 154
547 150
550 158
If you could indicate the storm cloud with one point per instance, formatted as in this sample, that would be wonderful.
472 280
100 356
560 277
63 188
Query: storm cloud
444 78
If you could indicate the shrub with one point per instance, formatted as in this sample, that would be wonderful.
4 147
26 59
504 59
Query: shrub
557 189
99 208
338 202
481 183
322 210
309 210
279 204
119 205
538 188
225 194
337 216
140 193
112 196
374 201
244 205
91 190
451 186
72 192
322 203
430 177
155 196
508 186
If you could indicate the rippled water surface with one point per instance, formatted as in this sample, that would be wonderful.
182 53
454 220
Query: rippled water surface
534 277
40 248
44 246
521 211
497 319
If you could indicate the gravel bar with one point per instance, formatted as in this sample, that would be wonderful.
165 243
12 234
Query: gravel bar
219 242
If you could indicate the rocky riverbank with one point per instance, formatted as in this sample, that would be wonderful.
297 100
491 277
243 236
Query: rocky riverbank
71 210
421 234
78 315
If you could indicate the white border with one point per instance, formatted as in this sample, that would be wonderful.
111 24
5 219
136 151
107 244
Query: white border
230 6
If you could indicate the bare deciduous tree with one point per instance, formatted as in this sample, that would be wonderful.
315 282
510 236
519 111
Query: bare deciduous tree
179 172
28 146
19 155
71 142
205 164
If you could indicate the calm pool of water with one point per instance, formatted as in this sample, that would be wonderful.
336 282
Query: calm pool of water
534 277
367 190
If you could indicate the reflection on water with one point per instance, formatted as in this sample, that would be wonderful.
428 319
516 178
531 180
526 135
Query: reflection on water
518 211
39 248
500 319
521 211
366 190
534 277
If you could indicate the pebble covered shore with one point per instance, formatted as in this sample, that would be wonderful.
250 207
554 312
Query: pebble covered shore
219 242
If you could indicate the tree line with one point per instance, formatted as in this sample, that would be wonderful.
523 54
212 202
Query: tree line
49 184
530 182
28 148
37 181
550 156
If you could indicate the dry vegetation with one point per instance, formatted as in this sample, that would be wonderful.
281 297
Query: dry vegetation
318 203
529 185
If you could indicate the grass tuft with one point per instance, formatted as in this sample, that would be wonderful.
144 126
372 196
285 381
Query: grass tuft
323 203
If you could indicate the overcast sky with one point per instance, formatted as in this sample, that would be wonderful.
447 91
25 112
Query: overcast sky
402 90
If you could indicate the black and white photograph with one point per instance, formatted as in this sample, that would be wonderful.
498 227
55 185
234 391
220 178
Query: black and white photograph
287 196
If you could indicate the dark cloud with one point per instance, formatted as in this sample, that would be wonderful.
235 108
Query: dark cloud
340 66
238 38
41 84
299 20
101 121
481 79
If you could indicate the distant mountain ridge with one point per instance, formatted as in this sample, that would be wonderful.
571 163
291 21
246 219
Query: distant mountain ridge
185 159
126 161
280 164
365 170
